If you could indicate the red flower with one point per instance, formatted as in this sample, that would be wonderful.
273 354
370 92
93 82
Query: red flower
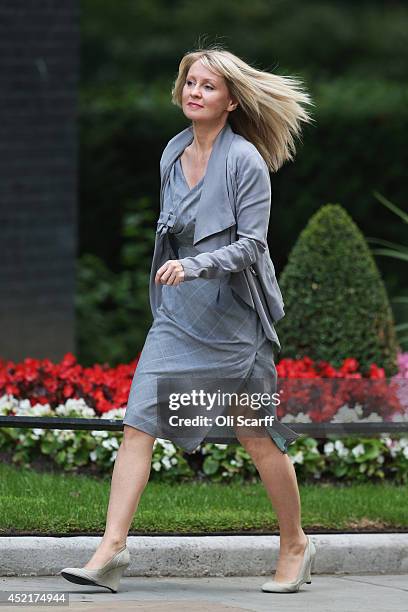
313 387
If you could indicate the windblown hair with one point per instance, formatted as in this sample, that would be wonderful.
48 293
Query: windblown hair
269 110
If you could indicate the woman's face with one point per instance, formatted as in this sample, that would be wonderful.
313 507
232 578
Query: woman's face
208 91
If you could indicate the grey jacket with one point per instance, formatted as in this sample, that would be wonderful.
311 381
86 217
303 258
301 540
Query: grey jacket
231 224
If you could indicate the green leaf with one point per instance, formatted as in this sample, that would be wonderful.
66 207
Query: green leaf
210 465
391 206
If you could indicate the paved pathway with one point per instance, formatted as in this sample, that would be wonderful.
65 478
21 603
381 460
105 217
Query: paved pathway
359 593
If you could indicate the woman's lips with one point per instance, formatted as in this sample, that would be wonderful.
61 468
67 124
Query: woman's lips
194 105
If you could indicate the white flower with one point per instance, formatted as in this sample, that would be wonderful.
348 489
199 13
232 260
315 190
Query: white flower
347 415
8 403
328 448
395 448
387 440
399 418
358 450
358 409
301 417
221 446
25 404
115 413
114 442
166 462
405 452
95 433
373 417
23 408
113 456
167 446
108 443
40 409
342 451
93 456
298 458
76 407
64 434
156 466
288 418
380 458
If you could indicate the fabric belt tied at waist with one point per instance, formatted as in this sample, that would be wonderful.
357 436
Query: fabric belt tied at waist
166 220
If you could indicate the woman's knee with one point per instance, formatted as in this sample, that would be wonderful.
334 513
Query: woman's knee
133 435
257 447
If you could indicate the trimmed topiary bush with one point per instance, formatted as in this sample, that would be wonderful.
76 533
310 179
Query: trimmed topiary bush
336 303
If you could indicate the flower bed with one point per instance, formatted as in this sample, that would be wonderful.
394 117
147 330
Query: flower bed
41 388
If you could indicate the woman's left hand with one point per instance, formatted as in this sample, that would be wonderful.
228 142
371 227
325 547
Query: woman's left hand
170 273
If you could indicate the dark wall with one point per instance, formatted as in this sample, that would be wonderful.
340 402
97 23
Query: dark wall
39 67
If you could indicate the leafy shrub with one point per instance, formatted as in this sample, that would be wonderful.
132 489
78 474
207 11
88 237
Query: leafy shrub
112 308
335 300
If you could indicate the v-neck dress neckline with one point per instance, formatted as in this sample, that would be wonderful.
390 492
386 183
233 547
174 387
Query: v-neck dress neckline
185 180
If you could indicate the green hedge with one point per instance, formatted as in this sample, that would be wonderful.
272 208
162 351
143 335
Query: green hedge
356 145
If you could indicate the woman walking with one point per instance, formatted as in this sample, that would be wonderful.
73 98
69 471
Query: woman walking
213 293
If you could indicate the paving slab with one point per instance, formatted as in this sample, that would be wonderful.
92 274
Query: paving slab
352 593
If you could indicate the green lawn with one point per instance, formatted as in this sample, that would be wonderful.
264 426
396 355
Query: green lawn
44 504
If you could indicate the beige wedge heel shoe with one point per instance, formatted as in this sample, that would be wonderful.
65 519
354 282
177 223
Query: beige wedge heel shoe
304 574
108 575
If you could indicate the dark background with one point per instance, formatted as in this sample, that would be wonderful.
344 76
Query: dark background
352 57
86 112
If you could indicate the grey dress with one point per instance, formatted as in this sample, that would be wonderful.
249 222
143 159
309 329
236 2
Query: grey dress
202 329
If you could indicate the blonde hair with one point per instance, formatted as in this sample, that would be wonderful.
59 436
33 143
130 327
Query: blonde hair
269 108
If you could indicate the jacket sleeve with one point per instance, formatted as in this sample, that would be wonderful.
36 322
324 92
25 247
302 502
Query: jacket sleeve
253 199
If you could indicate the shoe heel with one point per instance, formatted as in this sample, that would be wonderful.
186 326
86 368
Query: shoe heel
308 578
112 578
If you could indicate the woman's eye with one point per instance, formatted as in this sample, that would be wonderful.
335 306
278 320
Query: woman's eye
211 88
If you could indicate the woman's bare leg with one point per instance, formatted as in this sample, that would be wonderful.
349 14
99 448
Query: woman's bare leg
129 478
279 478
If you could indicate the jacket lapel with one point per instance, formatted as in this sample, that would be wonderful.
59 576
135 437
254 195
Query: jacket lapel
214 212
